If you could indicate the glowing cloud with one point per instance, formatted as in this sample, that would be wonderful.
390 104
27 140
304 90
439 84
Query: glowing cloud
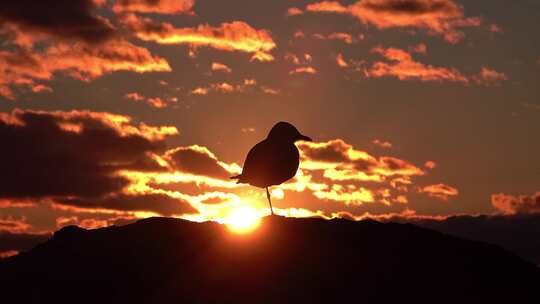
344 37
294 11
382 144
440 191
78 60
303 70
154 6
134 96
489 77
233 36
13 225
74 142
402 66
216 66
516 204
227 88
430 164
341 61
155 102
438 17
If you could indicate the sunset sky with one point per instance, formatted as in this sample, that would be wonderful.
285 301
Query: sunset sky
121 109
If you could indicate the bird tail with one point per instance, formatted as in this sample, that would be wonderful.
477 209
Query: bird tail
237 177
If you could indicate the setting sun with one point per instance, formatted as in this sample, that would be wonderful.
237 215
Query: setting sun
243 220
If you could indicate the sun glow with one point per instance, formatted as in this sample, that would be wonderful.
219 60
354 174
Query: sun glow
243 220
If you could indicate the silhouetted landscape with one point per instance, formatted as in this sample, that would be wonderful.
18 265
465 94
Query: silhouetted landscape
161 260
240 151
518 233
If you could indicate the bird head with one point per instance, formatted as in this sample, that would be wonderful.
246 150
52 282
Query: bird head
286 132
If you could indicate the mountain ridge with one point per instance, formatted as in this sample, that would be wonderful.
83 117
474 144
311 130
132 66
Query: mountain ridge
160 260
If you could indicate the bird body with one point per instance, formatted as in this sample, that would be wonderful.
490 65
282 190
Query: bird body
270 163
274 160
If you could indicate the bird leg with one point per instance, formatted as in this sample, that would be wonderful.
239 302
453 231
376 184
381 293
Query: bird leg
269 201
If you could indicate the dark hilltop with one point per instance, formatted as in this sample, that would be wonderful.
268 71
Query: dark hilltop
165 260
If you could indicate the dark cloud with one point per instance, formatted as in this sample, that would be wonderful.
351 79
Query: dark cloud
334 151
197 160
516 204
344 157
158 203
440 17
70 19
154 6
24 67
71 153
412 6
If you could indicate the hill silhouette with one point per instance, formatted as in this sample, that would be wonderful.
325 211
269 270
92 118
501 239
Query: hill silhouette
165 260
518 233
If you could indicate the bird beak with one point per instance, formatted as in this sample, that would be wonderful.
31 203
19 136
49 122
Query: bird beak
304 138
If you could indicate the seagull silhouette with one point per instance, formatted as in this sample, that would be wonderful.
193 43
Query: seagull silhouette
274 160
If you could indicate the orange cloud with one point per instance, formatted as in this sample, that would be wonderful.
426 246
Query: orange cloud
12 225
79 121
294 11
345 37
225 87
494 28
303 70
293 58
341 61
78 60
348 196
250 82
38 88
420 49
269 90
134 96
440 191
438 17
248 130
406 215
16 203
197 160
430 164
156 102
154 6
402 66
299 34
382 144
516 204
216 66
199 91
489 77
79 153
335 171
233 36
337 157
8 253
137 205
63 221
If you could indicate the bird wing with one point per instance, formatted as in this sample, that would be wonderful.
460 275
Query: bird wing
258 161
269 164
